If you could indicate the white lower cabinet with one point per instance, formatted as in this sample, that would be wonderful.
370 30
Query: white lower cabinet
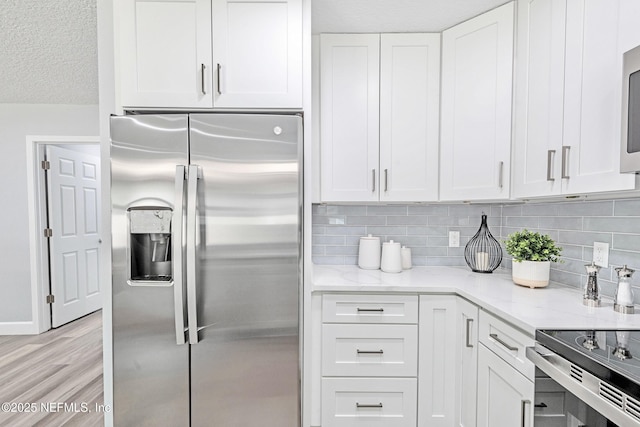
426 361
506 377
436 385
466 364
369 360
505 396
384 402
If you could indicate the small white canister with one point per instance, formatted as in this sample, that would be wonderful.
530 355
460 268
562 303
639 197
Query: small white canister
369 253
391 257
405 255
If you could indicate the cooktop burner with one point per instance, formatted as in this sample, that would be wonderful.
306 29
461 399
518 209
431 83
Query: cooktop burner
613 356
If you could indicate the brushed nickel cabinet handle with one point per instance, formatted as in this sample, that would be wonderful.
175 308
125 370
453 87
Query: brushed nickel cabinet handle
550 155
565 161
373 180
218 71
523 412
358 351
507 346
468 335
386 180
500 173
368 405
368 310
202 76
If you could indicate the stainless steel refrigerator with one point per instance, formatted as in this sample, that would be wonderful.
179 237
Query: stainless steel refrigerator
206 219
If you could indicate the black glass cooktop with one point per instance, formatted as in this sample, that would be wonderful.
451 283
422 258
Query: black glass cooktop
613 356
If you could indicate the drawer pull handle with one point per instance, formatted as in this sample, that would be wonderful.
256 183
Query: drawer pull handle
368 405
369 351
468 334
540 405
507 346
523 412
370 310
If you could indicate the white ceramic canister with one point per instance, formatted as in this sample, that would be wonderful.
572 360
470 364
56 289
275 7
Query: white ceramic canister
391 257
369 253
405 255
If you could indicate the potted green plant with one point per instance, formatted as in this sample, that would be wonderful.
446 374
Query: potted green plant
532 254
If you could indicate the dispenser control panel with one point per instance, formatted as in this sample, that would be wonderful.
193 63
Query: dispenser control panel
150 221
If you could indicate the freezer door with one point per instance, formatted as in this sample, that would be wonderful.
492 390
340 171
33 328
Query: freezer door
245 366
151 371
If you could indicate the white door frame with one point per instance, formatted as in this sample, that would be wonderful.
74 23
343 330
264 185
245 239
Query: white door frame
38 251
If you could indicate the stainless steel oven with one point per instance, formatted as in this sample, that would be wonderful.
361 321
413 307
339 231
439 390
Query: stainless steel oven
589 378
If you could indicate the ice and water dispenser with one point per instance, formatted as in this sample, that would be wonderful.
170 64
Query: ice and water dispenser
150 246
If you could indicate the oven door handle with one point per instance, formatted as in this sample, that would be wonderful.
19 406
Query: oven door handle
558 369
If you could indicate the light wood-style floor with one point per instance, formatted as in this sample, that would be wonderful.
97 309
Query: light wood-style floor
47 371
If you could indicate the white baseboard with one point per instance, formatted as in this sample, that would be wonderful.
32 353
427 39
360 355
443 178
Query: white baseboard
18 328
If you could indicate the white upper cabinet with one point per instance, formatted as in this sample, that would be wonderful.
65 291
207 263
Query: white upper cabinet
171 56
477 63
379 98
349 99
163 46
257 53
409 116
568 96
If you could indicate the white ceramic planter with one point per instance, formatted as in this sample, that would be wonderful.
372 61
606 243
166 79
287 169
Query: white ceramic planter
533 274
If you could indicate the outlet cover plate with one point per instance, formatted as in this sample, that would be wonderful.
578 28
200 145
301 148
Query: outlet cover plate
601 254
454 239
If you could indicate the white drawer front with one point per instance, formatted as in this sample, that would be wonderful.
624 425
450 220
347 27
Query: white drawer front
384 402
369 350
370 309
507 342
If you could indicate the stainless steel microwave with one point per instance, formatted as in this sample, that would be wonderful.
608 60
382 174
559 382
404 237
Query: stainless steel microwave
630 141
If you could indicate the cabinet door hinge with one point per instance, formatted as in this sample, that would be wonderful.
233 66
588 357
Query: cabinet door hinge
50 299
46 165
48 232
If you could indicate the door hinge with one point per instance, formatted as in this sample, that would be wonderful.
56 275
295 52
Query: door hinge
46 165
48 232
50 299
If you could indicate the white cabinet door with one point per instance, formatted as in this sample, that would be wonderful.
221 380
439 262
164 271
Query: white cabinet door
165 52
539 98
467 365
409 116
592 109
477 63
257 53
437 361
505 396
568 96
349 97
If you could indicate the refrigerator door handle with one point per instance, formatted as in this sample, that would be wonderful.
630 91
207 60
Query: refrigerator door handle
177 248
192 306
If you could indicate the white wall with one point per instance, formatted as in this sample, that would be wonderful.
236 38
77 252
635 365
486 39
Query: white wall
16 122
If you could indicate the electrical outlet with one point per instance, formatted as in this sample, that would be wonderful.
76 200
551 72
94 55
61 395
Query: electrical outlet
454 239
601 254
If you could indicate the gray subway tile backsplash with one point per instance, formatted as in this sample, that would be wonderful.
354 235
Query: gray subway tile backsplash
575 225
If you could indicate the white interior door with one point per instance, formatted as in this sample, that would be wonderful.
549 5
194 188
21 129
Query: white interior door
74 210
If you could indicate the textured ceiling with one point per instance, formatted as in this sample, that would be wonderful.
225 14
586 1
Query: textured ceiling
362 16
48 52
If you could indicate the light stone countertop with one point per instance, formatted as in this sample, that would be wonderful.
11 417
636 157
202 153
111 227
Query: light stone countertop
553 307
